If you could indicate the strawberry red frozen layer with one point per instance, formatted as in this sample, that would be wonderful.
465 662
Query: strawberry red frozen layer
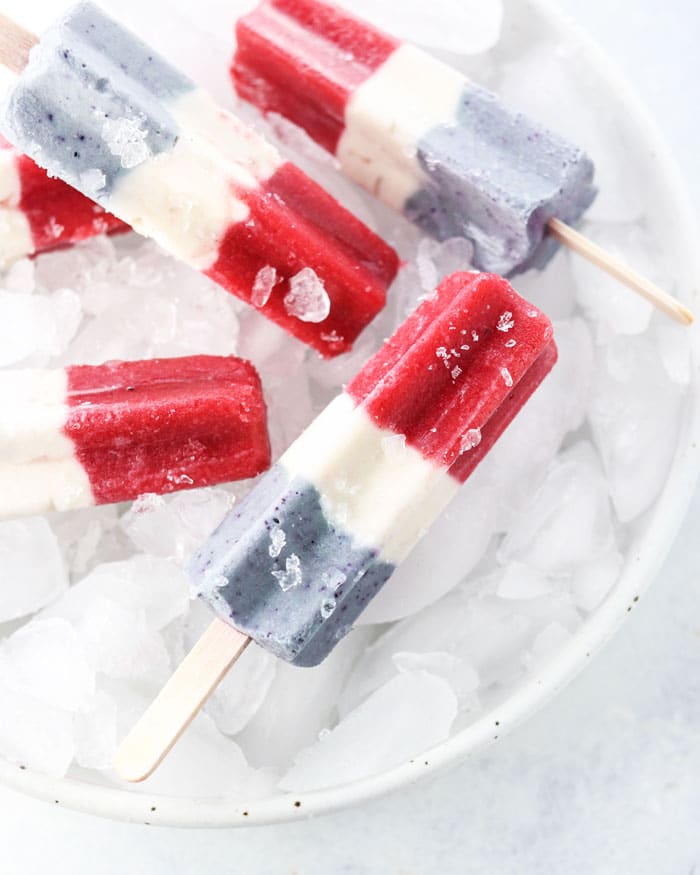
166 424
448 369
58 214
277 37
294 224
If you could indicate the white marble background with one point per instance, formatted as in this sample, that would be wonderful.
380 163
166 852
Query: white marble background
603 781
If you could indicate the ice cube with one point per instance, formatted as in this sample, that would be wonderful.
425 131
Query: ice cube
96 732
427 271
35 327
609 304
263 284
126 138
307 298
299 704
33 571
242 692
20 277
634 414
569 521
520 581
463 678
546 645
592 581
423 707
156 586
34 734
119 642
173 527
552 290
46 660
438 628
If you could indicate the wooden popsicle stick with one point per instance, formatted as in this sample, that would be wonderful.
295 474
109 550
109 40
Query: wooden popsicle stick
177 704
15 44
621 272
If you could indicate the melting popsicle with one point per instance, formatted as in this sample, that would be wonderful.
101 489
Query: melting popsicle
94 434
100 109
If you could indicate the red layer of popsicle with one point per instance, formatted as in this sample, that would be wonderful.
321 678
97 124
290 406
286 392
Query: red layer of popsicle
445 373
166 424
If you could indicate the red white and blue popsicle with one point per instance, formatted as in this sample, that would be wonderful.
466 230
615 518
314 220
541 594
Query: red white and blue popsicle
296 562
98 108
413 131
38 213
94 434
425 139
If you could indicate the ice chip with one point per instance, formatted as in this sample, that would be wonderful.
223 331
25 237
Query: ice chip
470 439
307 298
292 574
277 541
394 445
263 284
92 182
126 138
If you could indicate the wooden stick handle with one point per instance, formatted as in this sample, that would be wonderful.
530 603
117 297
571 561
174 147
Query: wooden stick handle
591 251
15 44
178 702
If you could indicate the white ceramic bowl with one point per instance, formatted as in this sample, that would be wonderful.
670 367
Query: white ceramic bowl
677 234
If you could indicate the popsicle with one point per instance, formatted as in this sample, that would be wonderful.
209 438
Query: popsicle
100 109
38 213
296 562
94 434
425 139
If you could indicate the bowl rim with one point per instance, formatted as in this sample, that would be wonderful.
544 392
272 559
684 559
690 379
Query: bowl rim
671 506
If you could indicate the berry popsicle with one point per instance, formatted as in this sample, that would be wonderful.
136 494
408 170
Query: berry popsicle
424 139
94 434
414 131
299 559
38 213
294 565
98 108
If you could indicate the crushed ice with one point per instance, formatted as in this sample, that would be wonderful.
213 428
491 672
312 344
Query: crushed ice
307 298
94 603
